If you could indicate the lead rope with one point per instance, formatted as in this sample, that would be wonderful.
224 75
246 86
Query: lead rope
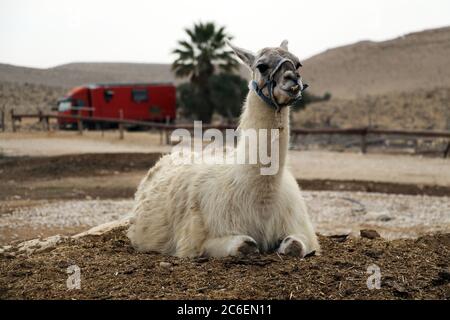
270 100
278 120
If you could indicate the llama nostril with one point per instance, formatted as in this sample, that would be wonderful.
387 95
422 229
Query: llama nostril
295 88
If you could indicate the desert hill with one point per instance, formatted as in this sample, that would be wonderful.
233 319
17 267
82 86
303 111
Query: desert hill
417 61
74 74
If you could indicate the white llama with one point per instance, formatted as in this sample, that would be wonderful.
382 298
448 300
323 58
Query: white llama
226 210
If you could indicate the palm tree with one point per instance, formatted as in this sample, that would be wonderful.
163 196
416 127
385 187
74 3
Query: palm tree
198 58
205 52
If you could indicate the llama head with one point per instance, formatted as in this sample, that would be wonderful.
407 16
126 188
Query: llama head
274 69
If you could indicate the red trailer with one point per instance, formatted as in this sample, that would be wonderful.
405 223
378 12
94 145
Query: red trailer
138 101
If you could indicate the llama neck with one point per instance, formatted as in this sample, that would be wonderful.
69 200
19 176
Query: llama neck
258 115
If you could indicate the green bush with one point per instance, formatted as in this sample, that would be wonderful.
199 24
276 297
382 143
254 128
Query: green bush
226 94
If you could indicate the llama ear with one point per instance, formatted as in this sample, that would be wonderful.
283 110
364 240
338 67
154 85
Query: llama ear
245 56
284 45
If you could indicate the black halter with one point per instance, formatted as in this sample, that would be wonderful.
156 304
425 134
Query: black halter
270 84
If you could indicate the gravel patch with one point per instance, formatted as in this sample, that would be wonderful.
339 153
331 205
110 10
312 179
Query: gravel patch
67 214
46 218
393 216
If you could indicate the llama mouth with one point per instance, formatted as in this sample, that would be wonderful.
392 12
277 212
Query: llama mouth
292 94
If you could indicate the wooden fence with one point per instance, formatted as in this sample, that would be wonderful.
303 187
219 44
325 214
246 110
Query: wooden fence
166 129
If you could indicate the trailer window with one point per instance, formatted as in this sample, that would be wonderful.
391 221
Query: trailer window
64 105
140 95
108 95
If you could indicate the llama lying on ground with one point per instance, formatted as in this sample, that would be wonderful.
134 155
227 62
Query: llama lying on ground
221 210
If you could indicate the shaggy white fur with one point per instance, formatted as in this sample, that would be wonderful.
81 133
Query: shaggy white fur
221 210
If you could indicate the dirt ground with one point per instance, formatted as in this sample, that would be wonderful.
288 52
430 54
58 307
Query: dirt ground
111 269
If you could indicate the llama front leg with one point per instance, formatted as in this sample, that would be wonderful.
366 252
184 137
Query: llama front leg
293 246
298 245
229 246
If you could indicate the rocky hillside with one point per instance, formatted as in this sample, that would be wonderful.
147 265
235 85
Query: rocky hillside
413 62
28 97
420 109
74 74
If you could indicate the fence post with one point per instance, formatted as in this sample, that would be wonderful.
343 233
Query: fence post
447 150
13 121
41 122
294 139
3 119
121 124
363 141
80 123
166 131
47 123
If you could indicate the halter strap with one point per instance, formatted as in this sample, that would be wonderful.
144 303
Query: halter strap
270 100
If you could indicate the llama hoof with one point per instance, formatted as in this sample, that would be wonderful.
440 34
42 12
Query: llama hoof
292 247
248 247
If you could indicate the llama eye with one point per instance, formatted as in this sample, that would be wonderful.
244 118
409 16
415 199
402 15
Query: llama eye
262 67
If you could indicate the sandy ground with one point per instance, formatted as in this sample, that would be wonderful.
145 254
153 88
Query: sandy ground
370 167
69 142
305 164
393 216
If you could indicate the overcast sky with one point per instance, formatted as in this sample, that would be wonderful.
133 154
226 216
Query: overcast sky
46 33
